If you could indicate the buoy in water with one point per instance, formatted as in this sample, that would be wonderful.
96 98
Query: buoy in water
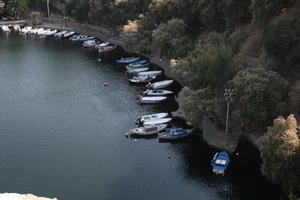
169 156
126 134
99 60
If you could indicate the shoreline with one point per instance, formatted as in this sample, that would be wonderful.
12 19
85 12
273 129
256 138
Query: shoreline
210 135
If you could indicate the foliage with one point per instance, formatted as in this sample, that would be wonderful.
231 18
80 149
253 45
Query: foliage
282 40
36 18
261 94
198 104
78 9
17 8
170 38
207 66
280 151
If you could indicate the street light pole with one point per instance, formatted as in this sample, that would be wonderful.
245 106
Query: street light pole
228 94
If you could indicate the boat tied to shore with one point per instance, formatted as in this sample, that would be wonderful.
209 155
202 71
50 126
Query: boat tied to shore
142 79
155 116
127 60
160 84
147 130
151 100
174 134
220 163
157 92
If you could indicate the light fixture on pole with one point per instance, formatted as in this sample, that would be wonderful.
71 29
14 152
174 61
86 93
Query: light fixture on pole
228 95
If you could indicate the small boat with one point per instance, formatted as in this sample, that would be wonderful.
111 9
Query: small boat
174 134
160 84
68 34
104 44
51 33
144 118
128 67
43 32
157 121
127 60
139 62
26 29
33 31
142 79
5 29
150 100
135 71
74 38
150 73
107 49
84 38
220 162
89 43
157 92
147 130
17 28
60 34
40 31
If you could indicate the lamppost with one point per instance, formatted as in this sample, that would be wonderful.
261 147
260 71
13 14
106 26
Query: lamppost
228 95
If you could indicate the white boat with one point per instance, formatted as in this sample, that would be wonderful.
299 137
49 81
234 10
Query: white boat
160 84
147 130
5 29
157 92
40 31
128 67
51 33
157 121
68 34
44 32
17 28
156 99
151 117
60 34
89 43
150 73
104 44
142 79
26 29
33 31
74 38
137 70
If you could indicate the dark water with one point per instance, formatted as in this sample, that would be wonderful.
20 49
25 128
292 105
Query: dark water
61 135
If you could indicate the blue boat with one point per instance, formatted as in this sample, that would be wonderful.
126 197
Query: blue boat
220 163
127 60
139 62
174 134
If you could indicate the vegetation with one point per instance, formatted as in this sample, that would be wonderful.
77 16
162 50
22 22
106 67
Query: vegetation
17 8
280 151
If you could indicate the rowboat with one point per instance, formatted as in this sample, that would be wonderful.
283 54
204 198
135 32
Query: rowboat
128 67
139 62
104 44
51 33
155 116
220 162
174 134
17 28
60 34
151 100
74 38
157 92
150 73
160 84
84 38
5 29
107 49
89 43
26 29
135 71
157 121
127 60
147 130
68 34
142 79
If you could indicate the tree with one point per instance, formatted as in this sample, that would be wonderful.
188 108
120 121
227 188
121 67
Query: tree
17 8
171 39
280 151
261 94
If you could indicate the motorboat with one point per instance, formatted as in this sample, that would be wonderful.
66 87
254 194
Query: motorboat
157 121
147 130
157 92
150 73
68 34
174 134
135 71
150 100
139 62
143 65
160 84
51 33
84 38
74 38
89 43
142 79
107 49
60 34
17 28
5 29
155 116
104 44
127 60
220 162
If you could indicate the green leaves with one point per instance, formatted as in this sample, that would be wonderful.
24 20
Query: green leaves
17 8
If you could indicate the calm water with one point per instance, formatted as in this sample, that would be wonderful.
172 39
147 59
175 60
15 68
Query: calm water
61 135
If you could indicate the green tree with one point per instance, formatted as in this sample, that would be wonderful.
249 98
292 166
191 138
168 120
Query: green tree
17 8
261 94
170 38
279 149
